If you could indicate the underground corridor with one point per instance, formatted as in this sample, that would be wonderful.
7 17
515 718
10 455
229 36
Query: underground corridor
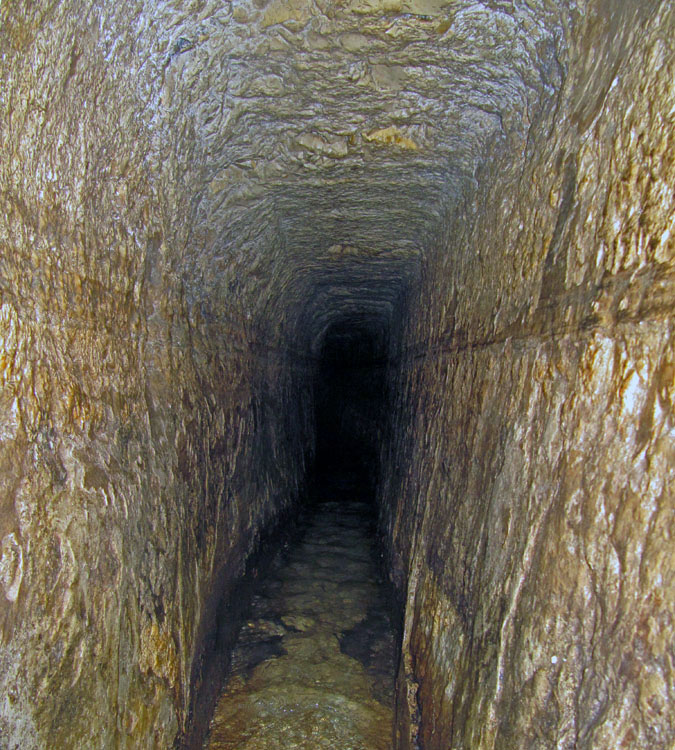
313 664
338 366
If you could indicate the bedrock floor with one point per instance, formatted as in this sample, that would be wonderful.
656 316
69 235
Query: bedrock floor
313 665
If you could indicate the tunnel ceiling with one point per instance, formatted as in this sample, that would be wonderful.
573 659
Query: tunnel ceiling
288 130
350 289
314 124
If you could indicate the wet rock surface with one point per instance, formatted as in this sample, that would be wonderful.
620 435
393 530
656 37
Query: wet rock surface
314 662
532 531
193 195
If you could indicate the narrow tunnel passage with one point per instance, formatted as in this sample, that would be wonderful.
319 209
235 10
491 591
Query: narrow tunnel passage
208 208
350 394
313 666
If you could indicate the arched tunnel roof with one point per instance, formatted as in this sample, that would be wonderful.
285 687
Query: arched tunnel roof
311 125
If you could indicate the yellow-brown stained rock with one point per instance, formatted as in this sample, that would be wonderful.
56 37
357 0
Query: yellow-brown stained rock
390 135
168 228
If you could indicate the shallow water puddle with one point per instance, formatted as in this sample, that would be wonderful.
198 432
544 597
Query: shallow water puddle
313 665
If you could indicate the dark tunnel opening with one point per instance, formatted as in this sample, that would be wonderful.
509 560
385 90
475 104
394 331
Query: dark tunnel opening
350 408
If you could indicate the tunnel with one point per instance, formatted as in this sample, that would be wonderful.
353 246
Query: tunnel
352 347
260 257
348 407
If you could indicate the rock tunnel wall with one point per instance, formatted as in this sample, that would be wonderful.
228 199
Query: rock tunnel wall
142 433
192 194
531 516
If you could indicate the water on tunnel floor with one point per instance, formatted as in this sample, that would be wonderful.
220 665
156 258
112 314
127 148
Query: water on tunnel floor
313 664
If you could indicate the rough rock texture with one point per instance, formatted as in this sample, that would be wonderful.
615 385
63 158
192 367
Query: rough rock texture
193 194
142 431
533 522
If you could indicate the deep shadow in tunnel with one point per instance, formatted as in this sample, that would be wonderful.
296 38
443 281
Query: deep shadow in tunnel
350 409
350 318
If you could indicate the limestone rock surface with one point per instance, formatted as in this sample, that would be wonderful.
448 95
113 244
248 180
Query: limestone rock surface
534 511
193 193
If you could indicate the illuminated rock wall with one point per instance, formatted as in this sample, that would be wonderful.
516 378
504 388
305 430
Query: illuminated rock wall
533 515
192 195
136 465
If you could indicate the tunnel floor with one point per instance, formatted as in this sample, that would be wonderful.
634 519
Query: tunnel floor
313 664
